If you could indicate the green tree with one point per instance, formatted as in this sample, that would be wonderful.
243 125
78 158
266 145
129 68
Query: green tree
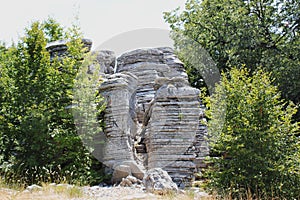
252 33
39 141
253 139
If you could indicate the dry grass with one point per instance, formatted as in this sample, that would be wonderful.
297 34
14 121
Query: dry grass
63 193
51 192
68 192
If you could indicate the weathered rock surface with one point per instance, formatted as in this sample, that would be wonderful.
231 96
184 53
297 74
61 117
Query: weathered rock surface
136 170
148 65
120 172
152 118
170 127
59 48
107 61
156 114
117 89
131 181
158 181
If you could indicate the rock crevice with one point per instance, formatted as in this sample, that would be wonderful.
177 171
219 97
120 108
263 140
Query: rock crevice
153 115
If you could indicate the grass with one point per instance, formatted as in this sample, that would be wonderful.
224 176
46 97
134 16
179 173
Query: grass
68 192
48 191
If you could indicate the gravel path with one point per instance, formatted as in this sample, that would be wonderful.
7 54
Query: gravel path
121 193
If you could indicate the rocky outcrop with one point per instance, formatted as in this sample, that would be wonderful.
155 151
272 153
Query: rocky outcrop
107 61
148 65
162 114
118 90
170 128
59 48
152 117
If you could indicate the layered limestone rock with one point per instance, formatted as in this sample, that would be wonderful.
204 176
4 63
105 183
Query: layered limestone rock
170 128
118 90
148 65
165 114
107 61
60 48
152 118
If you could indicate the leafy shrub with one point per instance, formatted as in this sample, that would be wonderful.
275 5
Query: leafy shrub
253 139
38 137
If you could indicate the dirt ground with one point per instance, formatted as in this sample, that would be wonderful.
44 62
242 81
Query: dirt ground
93 193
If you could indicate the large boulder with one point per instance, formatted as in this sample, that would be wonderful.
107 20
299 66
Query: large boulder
158 181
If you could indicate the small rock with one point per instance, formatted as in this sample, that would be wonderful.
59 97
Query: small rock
136 170
26 191
121 171
158 181
125 183
34 188
132 179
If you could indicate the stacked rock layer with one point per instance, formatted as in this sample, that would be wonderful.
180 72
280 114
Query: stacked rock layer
164 114
152 117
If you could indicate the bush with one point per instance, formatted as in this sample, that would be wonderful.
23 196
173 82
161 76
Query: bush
254 145
38 137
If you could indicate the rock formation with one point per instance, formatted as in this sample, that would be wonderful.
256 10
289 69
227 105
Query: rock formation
60 48
153 114
152 118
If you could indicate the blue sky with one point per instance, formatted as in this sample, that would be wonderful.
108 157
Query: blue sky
100 20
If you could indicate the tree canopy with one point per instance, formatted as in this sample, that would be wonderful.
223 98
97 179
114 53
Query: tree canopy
254 33
255 44
39 141
254 145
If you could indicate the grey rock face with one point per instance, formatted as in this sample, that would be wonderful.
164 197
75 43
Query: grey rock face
136 170
158 181
158 112
117 89
107 61
148 65
127 168
170 128
59 48
152 118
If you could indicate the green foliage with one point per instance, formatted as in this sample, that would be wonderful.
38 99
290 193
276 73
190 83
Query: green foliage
38 135
87 103
53 30
251 33
254 141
